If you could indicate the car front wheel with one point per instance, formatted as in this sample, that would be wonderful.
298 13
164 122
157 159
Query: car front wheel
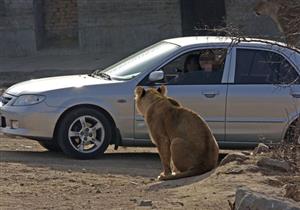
84 133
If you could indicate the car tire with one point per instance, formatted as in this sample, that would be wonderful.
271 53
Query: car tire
50 145
293 133
84 133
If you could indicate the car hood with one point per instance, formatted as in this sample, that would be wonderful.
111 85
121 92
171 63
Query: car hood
55 83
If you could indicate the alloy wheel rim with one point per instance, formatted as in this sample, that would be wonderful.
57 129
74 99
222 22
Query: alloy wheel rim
86 134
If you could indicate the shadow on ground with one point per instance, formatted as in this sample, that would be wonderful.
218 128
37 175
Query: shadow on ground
145 164
134 164
179 182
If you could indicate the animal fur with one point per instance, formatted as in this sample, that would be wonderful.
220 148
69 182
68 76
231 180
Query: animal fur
286 15
182 137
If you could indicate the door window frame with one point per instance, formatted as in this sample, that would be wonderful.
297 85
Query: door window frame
226 71
234 57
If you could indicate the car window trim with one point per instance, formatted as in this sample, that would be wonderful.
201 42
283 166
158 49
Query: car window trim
233 63
174 56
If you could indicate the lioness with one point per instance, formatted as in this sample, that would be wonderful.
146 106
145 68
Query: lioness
286 16
181 136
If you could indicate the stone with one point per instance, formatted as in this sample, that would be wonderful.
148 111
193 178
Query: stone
261 148
235 170
233 157
145 203
252 169
246 152
133 200
246 199
292 191
273 182
274 164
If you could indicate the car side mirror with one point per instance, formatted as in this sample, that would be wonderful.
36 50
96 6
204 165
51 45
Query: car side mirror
156 76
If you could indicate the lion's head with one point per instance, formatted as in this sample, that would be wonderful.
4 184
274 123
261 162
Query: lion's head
267 7
144 98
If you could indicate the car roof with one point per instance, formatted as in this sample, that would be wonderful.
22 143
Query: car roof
244 42
196 40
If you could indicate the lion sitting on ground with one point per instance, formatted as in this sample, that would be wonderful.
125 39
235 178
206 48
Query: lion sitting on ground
181 136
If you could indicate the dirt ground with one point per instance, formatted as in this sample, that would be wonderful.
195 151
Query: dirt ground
33 178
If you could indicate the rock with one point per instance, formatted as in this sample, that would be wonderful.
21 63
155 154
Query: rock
246 199
133 200
261 148
176 203
233 157
252 169
274 164
145 203
273 182
234 170
292 191
246 152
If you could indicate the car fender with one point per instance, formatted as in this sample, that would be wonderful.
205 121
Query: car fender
88 101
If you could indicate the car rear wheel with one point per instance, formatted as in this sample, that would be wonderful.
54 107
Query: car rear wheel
50 145
84 133
293 133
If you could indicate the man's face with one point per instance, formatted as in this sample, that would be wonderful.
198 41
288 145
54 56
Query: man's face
206 65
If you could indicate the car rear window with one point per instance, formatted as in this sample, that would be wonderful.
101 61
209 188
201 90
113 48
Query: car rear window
263 67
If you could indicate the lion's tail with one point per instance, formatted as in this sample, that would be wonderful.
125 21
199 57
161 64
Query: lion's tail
184 174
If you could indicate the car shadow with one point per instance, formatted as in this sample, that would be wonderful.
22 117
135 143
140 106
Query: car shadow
144 164
134 164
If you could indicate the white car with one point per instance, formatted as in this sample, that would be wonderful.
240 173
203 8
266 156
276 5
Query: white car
252 96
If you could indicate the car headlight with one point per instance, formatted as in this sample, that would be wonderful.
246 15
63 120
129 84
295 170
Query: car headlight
26 100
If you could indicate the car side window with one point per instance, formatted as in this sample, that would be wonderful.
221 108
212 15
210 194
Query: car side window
263 67
198 67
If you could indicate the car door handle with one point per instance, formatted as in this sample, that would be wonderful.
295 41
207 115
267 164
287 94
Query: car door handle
210 94
296 94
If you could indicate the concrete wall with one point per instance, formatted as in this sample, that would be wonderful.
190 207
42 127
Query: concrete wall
17 36
120 26
239 14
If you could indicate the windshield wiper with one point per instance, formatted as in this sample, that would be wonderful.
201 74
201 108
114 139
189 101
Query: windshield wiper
104 75
101 74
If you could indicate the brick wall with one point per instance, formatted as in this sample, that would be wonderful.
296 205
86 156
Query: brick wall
110 26
120 26
61 19
17 36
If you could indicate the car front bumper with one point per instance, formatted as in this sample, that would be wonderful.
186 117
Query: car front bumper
36 121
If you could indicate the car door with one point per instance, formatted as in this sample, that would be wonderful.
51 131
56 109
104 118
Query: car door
260 102
204 95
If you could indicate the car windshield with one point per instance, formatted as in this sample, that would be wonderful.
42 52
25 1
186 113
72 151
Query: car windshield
137 63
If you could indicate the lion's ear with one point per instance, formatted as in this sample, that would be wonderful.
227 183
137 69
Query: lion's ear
163 90
139 91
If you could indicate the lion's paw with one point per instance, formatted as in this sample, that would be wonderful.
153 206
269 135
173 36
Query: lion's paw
163 176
